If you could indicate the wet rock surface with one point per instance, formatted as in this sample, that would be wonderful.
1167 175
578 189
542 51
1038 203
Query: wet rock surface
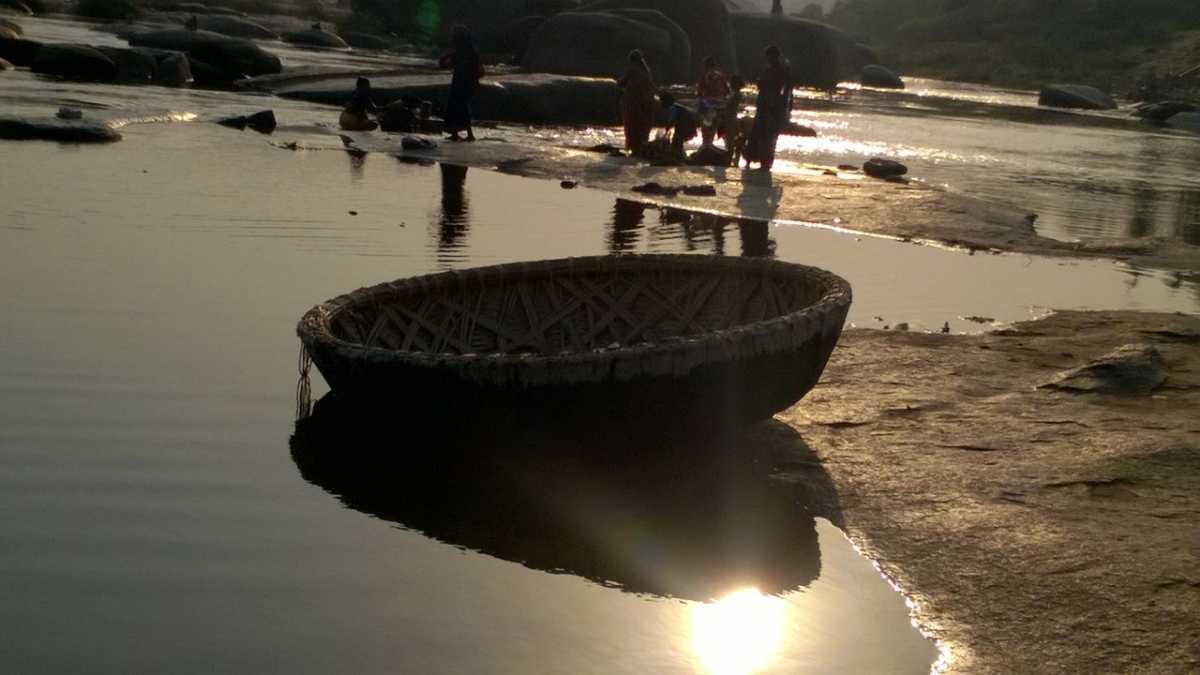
1130 370
876 75
1038 530
18 52
1075 96
263 122
877 167
51 129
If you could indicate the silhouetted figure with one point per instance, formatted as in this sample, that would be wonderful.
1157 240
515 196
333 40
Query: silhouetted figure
729 124
683 123
467 69
356 116
774 109
637 102
455 217
192 23
777 8
713 90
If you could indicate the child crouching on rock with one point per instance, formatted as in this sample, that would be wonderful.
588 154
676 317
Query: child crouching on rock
356 116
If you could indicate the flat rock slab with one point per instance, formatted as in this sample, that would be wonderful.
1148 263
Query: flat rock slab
1038 530
53 129
1128 370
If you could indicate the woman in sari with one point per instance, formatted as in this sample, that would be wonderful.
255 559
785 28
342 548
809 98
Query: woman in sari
637 102
467 68
773 109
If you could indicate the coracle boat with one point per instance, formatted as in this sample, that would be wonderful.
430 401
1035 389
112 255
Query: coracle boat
656 342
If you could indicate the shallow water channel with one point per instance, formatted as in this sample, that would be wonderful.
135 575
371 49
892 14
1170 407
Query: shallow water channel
161 515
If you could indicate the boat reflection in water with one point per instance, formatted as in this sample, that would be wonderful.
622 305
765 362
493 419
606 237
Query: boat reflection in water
703 556
697 523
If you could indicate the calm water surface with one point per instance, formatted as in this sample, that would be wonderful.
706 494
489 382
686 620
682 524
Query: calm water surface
161 515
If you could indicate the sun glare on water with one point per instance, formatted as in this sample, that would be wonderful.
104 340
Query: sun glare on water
739 634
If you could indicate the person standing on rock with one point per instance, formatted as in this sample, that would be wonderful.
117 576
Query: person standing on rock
637 102
774 109
712 89
467 69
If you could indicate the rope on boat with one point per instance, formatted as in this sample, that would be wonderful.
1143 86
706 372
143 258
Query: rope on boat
304 386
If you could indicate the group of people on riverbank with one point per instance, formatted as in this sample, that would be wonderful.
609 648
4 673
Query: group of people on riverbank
466 68
716 115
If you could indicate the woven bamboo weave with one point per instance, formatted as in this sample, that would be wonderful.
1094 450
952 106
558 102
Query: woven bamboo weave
577 320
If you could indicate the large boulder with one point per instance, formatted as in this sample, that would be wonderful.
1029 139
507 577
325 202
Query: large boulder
370 41
173 69
12 27
821 55
1189 121
214 58
876 75
234 26
133 65
17 6
18 52
316 38
5 65
8 33
1075 96
201 8
514 37
520 98
706 22
598 44
74 62
678 67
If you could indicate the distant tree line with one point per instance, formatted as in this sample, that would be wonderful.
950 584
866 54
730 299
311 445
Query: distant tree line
1009 39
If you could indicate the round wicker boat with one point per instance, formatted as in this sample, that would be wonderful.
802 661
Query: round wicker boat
647 340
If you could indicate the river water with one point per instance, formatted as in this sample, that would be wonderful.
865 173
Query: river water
161 515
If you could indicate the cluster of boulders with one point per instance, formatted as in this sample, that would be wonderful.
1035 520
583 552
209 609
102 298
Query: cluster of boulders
594 37
171 57
1182 114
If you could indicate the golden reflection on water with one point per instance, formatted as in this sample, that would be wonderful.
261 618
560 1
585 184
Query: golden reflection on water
739 634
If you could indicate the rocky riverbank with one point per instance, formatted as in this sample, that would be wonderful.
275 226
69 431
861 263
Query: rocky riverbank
1039 528
842 198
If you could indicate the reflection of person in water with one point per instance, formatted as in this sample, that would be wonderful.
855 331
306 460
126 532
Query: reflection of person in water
454 221
356 116
626 225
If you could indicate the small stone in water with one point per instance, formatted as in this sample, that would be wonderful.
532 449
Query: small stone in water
353 213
